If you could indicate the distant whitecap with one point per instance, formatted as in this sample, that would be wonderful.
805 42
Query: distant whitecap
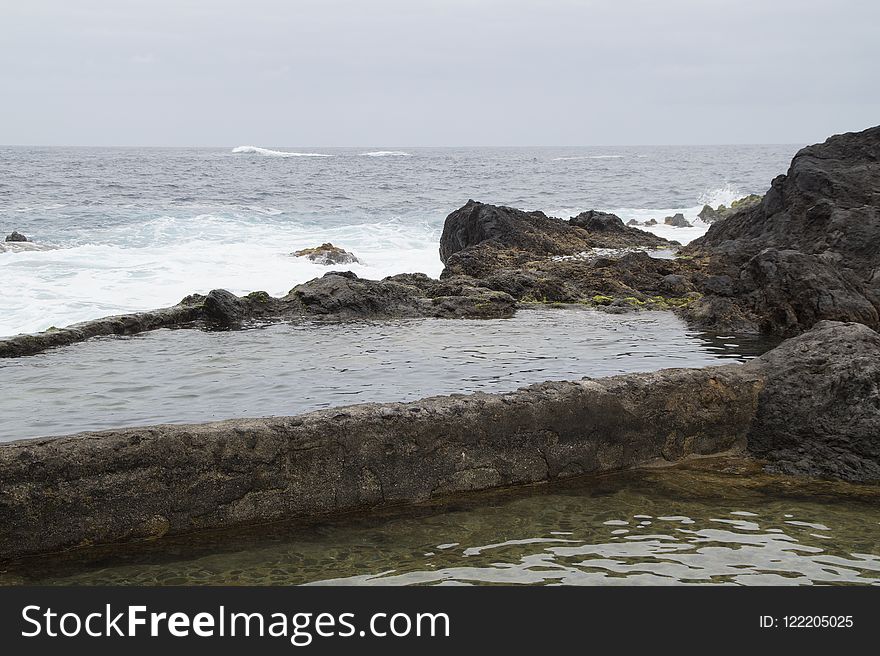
266 152
386 153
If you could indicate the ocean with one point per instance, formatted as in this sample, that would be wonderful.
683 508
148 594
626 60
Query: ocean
128 229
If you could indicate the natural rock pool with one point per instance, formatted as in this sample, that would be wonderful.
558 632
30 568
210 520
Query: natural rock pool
193 376
716 521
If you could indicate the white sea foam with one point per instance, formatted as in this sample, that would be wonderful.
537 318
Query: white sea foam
266 152
158 262
386 153
725 195
154 263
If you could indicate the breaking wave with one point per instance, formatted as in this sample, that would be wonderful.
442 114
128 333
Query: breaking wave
266 152
386 153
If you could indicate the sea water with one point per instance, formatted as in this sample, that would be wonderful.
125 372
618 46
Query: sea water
125 229
174 376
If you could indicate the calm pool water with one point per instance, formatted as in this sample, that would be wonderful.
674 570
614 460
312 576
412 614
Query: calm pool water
193 376
715 521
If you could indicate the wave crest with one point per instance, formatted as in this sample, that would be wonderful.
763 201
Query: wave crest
266 152
721 196
386 153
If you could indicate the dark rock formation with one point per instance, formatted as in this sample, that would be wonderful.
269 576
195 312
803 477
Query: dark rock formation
596 221
327 254
677 221
819 410
536 258
16 236
223 307
808 251
827 203
336 296
345 296
147 482
793 291
508 228
500 228
633 222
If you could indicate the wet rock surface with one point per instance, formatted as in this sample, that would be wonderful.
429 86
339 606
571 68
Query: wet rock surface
16 236
327 254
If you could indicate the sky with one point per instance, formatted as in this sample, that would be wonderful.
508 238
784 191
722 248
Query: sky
282 73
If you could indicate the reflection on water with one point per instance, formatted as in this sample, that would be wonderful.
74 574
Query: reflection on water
192 376
690 524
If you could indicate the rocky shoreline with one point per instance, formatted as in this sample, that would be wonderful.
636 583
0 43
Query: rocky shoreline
803 254
802 263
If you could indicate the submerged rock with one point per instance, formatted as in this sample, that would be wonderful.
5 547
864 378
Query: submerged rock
16 236
327 254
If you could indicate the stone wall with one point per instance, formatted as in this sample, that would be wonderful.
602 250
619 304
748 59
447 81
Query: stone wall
146 482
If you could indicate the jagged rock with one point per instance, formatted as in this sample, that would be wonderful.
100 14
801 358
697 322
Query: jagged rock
808 250
223 307
327 254
536 258
16 236
633 222
794 290
651 222
508 228
342 295
596 221
677 221
829 201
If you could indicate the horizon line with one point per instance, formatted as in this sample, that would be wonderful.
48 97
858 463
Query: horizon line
361 146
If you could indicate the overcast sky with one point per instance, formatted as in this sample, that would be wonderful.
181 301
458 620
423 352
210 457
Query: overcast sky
436 72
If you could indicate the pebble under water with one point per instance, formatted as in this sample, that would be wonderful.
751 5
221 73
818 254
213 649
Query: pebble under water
714 521
186 376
